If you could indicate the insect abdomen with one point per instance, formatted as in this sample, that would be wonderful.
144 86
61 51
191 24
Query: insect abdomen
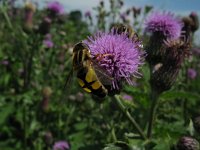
88 80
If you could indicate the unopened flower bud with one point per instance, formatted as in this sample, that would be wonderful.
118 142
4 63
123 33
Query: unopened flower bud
102 3
195 19
121 3
136 12
48 138
28 16
165 73
46 91
187 143
45 26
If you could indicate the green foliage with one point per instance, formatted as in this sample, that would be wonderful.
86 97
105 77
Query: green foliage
31 118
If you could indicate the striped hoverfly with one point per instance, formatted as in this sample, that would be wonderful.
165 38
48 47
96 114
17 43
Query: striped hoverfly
90 75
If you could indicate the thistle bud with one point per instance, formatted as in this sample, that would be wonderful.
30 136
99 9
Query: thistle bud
187 143
136 12
121 3
48 138
128 11
45 26
195 19
173 54
46 91
28 16
102 3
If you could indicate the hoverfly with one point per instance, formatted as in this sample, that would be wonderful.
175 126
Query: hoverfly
128 30
91 77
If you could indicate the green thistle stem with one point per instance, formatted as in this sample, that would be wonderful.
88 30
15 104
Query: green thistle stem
25 127
113 134
130 118
154 99
6 16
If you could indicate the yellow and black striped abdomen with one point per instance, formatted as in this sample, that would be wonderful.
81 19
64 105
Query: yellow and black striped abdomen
89 81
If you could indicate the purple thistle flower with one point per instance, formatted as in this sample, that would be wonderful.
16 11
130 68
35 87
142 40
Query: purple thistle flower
87 14
5 62
48 43
191 73
187 143
121 55
165 23
61 145
55 7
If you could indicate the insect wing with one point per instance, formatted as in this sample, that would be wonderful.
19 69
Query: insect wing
68 79
104 76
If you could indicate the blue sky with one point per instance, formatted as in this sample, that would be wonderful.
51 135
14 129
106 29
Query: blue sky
172 5
179 7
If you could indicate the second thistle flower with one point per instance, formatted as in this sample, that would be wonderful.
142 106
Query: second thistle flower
161 27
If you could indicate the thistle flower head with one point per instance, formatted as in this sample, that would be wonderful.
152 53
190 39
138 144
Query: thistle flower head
121 55
61 145
88 14
55 7
187 143
48 43
164 23
30 7
191 73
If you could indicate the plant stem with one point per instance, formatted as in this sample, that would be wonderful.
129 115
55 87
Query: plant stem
113 134
154 99
7 17
24 126
131 119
